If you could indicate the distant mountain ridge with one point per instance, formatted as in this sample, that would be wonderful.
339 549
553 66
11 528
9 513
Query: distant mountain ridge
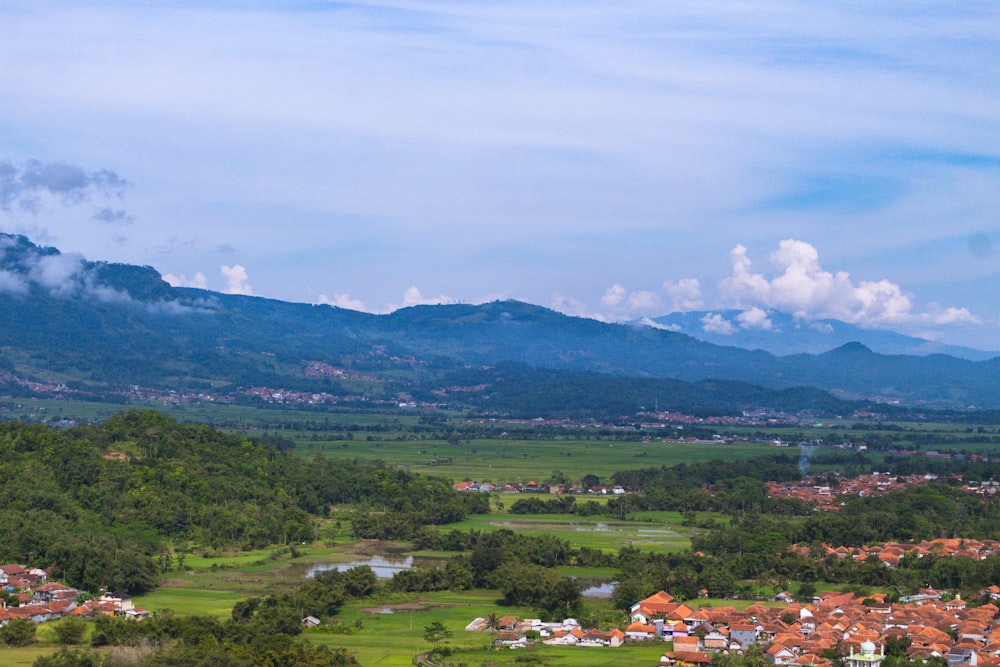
97 327
786 334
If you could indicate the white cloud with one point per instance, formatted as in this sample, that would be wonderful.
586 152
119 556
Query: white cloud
342 300
804 289
413 297
613 296
620 304
755 318
182 280
643 300
951 315
685 293
237 281
717 324
11 283
653 324
60 274
567 305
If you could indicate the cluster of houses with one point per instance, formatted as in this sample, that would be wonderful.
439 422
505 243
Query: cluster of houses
792 634
513 632
833 624
535 487
39 600
511 487
890 553
831 496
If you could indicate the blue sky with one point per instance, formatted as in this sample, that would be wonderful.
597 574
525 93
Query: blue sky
616 160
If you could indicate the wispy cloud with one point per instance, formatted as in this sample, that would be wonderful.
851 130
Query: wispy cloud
23 187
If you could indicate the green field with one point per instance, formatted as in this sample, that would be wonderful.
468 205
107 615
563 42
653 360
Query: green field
500 461
594 532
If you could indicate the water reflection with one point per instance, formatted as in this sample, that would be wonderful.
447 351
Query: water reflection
384 568
596 587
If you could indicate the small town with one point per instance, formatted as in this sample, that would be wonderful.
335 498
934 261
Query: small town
843 627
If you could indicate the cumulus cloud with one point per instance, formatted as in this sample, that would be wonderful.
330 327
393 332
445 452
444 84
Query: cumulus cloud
182 280
643 300
685 294
237 280
568 305
23 187
619 303
754 318
342 301
413 297
804 289
950 315
717 324
613 296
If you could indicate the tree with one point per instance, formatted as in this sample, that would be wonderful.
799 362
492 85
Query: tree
67 658
493 624
18 632
806 592
436 632
71 630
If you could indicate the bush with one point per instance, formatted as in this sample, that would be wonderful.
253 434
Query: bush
71 630
18 632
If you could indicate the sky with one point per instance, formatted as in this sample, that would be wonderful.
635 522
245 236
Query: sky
612 160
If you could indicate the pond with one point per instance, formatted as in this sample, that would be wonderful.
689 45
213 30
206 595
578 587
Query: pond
596 587
384 567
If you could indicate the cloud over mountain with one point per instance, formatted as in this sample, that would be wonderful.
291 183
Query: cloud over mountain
803 288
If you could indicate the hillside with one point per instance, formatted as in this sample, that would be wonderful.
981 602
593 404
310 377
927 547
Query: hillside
101 330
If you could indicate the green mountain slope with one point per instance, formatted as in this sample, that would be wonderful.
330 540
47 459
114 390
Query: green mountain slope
98 327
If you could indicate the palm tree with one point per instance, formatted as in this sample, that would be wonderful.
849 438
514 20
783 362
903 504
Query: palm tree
493 623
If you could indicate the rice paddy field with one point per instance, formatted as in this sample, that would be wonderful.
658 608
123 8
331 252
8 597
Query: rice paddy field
500 461
386 629
659 535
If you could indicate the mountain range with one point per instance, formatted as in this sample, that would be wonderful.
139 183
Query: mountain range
782 334
102 329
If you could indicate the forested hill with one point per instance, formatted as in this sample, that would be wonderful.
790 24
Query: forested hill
99 505
98 327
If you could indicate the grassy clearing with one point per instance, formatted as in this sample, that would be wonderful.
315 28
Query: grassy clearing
594 532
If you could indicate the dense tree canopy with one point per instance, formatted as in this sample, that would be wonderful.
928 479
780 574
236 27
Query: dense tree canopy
99 503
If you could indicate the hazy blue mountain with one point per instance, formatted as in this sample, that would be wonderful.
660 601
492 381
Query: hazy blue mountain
788 335
98 327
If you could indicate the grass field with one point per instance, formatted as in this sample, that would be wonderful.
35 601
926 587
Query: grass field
525 460
593 532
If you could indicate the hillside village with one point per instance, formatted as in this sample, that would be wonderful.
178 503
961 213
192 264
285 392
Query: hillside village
39 600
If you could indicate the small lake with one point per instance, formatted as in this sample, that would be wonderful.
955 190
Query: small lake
384 567
596 587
